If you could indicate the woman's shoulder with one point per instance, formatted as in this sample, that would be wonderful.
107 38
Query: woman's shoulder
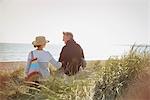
48 52
33 51
40 52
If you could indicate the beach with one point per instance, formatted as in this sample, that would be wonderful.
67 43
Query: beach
11 66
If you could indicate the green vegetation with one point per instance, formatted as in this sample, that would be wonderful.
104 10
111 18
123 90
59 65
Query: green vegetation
56 88
101 80
118 73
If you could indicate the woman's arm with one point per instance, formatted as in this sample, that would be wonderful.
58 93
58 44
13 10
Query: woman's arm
54 62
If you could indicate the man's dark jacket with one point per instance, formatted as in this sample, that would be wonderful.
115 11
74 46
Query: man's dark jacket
71 57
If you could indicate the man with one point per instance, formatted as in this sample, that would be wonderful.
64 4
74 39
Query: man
71 56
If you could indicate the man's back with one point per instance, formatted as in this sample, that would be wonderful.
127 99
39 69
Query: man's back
71 56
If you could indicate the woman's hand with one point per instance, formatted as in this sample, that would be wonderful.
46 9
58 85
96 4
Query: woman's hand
60 69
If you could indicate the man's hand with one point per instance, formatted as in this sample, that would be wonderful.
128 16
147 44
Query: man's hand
60 69
83 63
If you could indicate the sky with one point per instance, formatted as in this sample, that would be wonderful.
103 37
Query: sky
96 24
149 18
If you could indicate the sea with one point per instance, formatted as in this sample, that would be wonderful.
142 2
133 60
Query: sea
19 52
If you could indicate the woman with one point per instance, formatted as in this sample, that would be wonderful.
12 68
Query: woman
42 57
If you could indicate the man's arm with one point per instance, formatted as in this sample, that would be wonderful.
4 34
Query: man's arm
63 53
82 59
55 63
82 53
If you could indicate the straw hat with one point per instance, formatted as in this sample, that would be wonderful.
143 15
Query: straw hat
40 40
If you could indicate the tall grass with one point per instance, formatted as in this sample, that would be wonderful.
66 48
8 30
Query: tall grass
77 87
101 80
118 73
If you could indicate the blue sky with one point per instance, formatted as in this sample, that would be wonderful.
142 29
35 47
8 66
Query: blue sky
96 24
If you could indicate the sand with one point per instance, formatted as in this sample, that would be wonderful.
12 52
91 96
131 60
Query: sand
11 66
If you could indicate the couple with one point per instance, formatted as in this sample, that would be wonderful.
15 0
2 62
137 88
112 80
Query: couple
70 61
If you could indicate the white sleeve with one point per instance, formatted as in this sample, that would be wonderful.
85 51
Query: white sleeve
54 62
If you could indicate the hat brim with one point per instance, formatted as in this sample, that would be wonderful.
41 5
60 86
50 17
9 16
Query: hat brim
47 41
35 43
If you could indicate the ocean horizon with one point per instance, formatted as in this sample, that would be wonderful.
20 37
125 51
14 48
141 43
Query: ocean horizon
10 52
20 51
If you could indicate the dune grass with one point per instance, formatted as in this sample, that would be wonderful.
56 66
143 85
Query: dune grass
101 80
78 87
118 73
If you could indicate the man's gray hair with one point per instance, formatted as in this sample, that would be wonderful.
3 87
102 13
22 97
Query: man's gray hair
68 34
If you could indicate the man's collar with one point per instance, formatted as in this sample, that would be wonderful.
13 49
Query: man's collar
70 41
